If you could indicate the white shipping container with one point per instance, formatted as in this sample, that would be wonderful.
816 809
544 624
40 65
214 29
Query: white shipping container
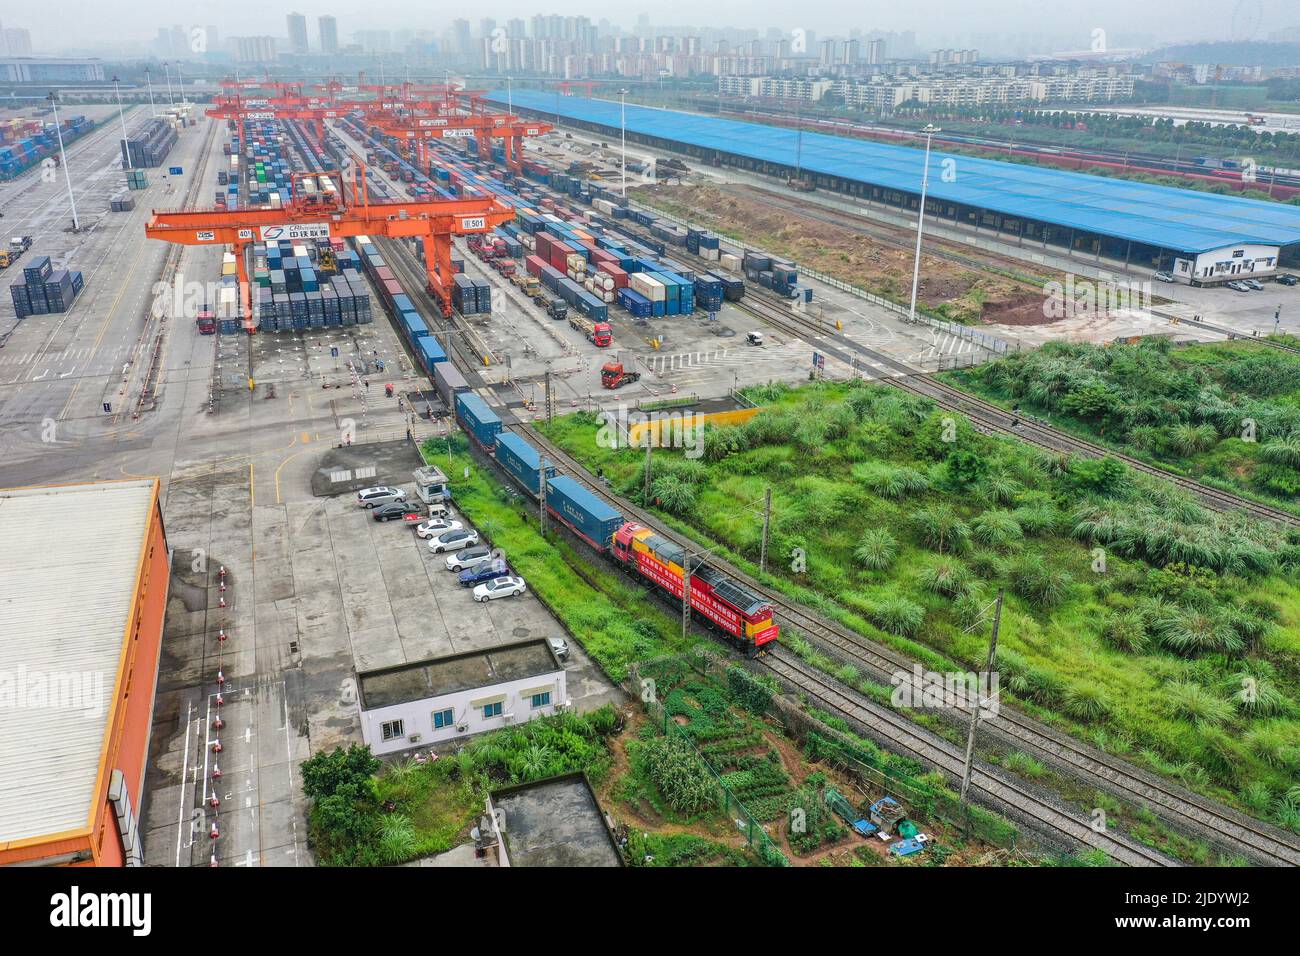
530 244
651 288
710 254
604 205
606 280
607 296
576 262
729 262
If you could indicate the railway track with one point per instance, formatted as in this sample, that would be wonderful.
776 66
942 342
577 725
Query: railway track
950 759
1188 811
993 417
903 732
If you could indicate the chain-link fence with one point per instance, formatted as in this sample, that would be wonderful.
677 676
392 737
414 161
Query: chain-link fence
927 799
749 825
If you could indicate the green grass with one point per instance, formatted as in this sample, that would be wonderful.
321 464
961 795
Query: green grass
824 448
602 609
1226 413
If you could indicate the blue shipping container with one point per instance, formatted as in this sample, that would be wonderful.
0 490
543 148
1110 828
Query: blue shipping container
522 461
479 420
593 520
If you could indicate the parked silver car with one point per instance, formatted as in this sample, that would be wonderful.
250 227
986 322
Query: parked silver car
379 495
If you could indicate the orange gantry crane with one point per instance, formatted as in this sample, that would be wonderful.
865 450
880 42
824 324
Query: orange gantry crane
319 209
239 109
419 131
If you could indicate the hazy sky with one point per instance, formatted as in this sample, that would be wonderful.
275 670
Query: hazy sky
107 24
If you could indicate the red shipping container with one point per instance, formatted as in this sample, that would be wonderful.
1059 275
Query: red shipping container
534 265
542 245
384 274
620 276
392 287
559 256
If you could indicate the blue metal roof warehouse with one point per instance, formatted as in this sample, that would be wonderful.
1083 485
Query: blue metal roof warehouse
1159 216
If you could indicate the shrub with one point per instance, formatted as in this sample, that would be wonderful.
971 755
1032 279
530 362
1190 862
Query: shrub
1275 744
897 615
941 529
1188 632
876 550
1194 703
949 578
674 495
1085 703
1125 632
1040 583
997 529
892 481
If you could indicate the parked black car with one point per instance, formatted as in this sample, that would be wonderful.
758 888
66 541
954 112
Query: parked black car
397 509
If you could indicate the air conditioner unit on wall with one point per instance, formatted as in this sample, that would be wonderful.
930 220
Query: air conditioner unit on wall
415 738
462 728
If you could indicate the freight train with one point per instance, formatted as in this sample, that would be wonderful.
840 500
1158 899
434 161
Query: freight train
736 612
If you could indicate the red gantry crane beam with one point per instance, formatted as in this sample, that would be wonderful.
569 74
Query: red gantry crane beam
318 209
419 131
238 109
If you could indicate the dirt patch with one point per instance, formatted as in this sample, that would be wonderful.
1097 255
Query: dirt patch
953 290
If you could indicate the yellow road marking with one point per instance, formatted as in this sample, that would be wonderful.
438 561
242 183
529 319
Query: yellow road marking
286 461
305 438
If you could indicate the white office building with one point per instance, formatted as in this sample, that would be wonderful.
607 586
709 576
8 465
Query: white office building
426 702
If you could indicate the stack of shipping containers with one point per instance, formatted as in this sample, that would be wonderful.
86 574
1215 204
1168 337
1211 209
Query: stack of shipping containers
43 290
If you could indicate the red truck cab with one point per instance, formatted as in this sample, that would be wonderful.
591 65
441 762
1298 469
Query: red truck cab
602 334
206 322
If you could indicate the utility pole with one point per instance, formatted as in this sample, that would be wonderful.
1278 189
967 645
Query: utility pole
541 497
550 405
975 711
767 523
622 125
63 160
929 132
167 70
649 447
148 77
126 147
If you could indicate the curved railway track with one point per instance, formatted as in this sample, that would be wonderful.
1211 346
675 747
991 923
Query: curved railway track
988 416
903 732
1188 811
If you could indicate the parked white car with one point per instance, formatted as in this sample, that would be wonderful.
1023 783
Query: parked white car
508 586
469 558
436 526
453 540
560 646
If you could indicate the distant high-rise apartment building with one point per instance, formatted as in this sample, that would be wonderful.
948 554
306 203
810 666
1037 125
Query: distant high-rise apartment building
876 52
15 41
297 32
329 35
254 49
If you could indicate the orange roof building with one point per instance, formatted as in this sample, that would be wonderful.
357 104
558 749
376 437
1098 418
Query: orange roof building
83 591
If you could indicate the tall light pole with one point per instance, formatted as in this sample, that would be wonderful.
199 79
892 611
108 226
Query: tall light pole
622 127
929 132
167 70
180 81
510 96
126 146
148 76
63 160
